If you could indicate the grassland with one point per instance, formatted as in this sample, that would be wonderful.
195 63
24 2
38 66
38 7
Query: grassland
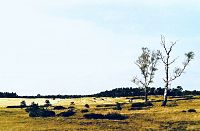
154 118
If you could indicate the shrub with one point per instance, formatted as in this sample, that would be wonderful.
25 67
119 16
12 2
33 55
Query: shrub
148 103
41 113
71 107
23 104
118 106
47 103
59 108
142 104
188 97
13 107
109 105
135 108
72 103
35 111
192 110
87 106
115 116
99 106
84 111
110 116
67 113
33 107
94 116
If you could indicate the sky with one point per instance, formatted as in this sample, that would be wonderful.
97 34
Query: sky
84 47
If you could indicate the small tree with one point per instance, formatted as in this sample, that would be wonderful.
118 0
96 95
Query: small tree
168 62
23 104
47 103
146 62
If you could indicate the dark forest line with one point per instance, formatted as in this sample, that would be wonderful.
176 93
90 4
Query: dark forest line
118 92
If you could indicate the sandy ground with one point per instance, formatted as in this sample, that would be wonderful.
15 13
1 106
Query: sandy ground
64 102
16 101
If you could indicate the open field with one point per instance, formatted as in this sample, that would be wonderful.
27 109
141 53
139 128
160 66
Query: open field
154 118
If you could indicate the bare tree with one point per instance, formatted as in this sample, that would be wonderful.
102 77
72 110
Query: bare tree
168 62
146 62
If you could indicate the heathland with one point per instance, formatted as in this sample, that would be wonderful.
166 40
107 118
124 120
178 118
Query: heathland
181 113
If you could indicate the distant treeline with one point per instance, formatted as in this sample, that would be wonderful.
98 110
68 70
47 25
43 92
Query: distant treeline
8 95
118 92
129 91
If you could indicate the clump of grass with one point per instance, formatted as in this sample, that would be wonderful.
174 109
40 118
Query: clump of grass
172 104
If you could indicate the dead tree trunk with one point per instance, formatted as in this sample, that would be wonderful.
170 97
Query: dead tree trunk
166 61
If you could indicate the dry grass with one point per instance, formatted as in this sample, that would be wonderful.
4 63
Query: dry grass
155 118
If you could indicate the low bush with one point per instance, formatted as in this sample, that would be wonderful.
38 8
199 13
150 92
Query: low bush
47 103
188 97
67 113
23 104
13 107
71 107
41 113
35 111
115 116
136 108
118 106
142 104
110 116
148 103
87 106
84 111
59 108
99 106
32 107
94 116
109 105
106 105
192 110
72 103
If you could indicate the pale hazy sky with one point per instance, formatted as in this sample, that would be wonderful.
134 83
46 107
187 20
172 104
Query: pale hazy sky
88 46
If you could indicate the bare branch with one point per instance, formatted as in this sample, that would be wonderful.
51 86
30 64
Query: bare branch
170 49
163 43
173 61
137 81
179 71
